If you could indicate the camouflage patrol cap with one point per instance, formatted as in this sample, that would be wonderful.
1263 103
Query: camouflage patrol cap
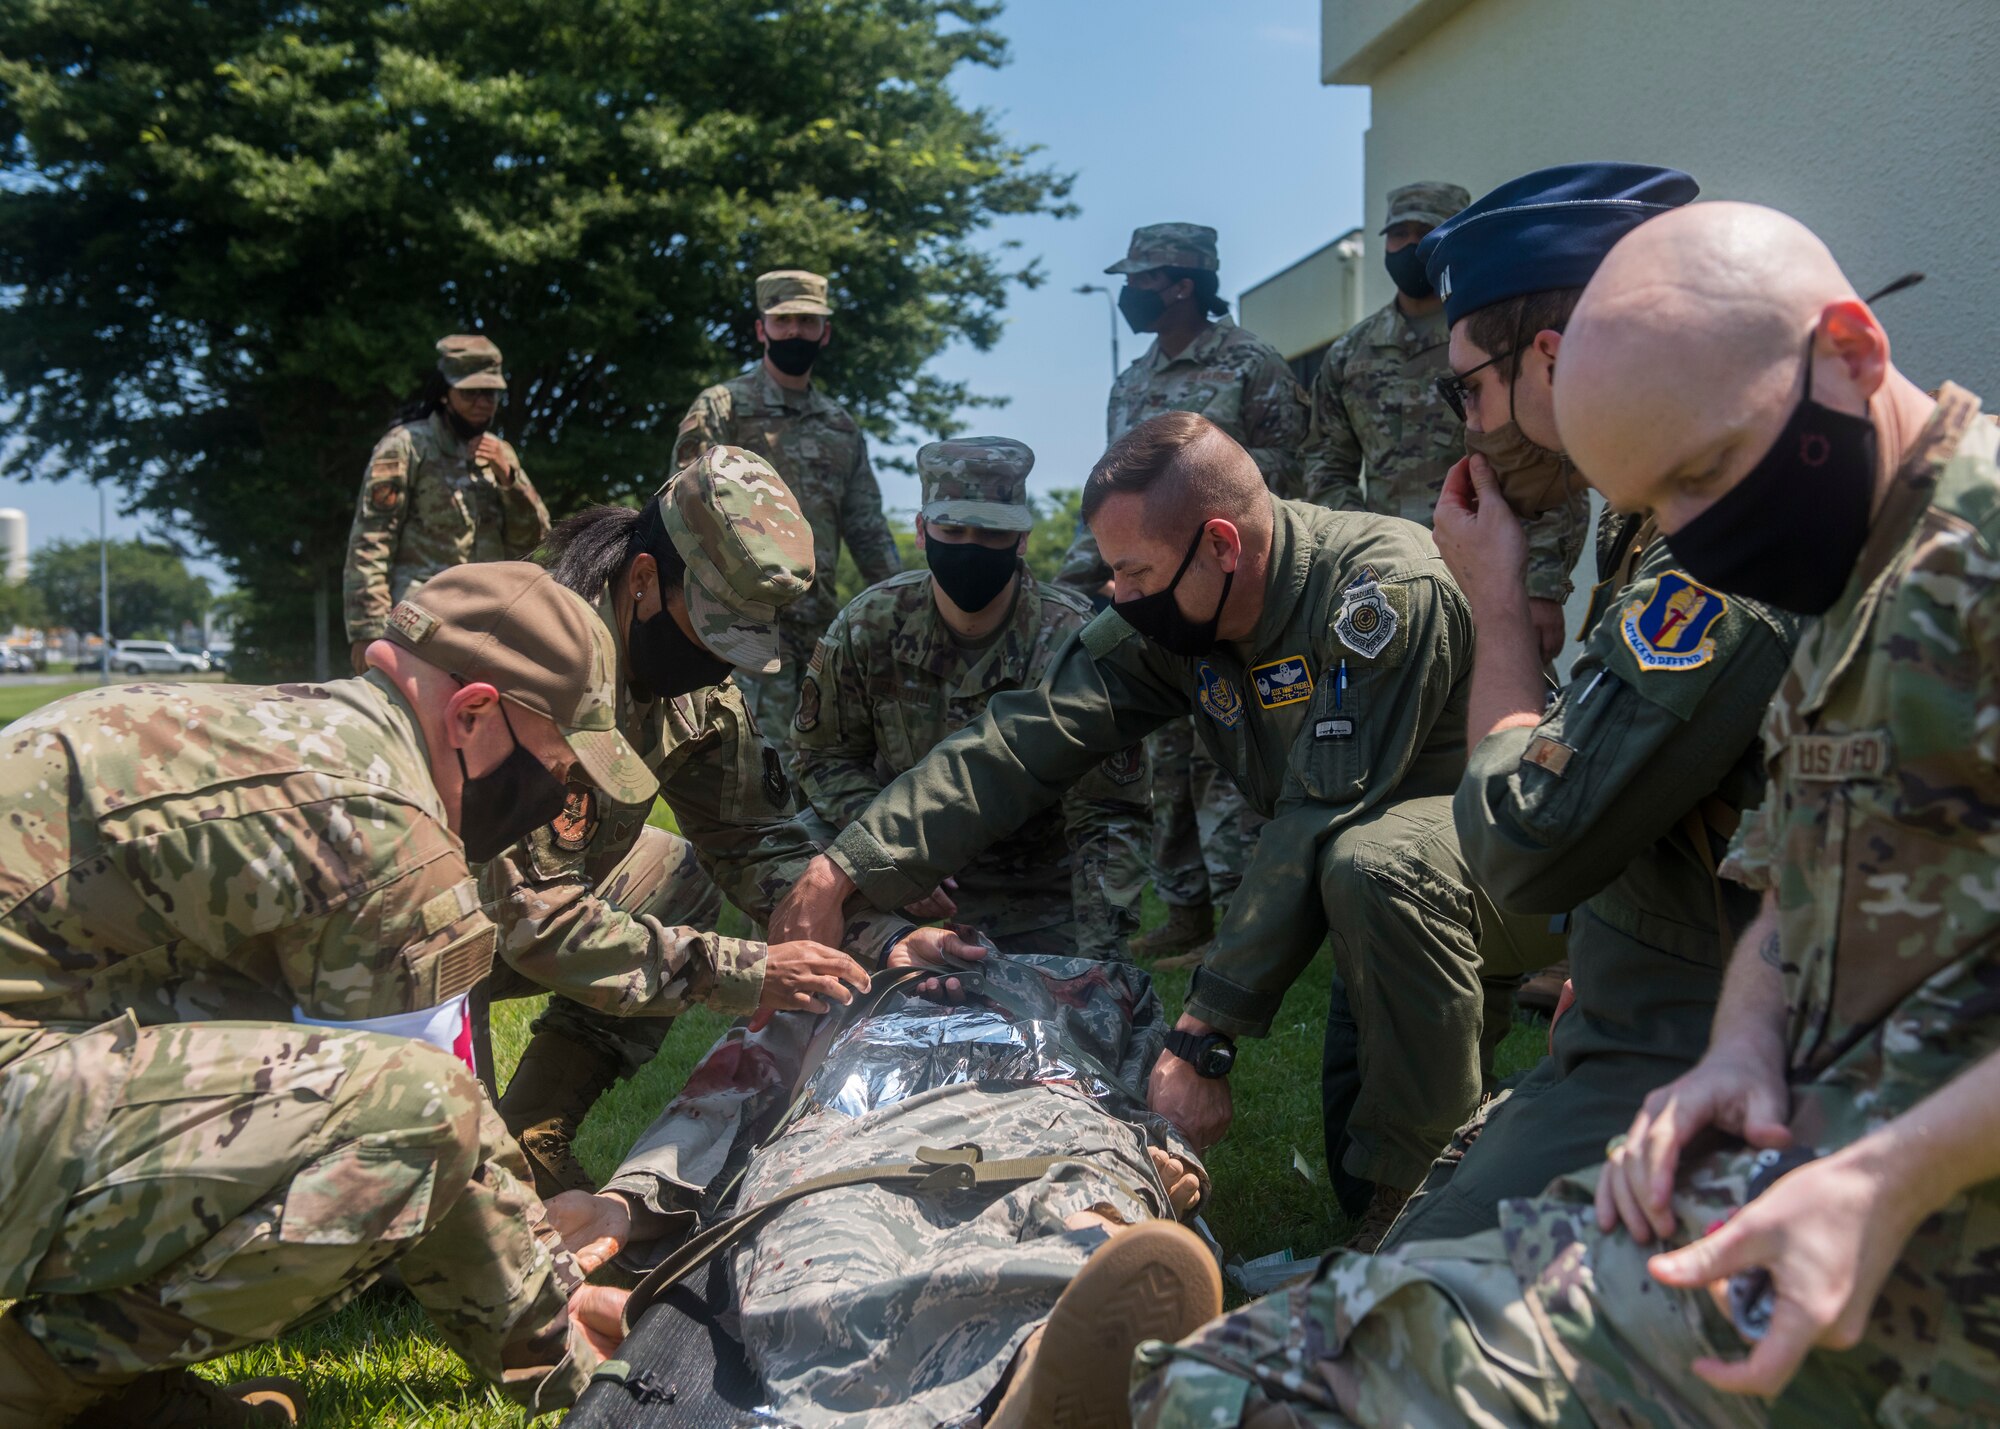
1169 245
508 624
470 361
747 548
791 290
977 481
1429 202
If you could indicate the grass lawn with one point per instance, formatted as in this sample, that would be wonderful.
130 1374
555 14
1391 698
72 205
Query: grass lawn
376 1362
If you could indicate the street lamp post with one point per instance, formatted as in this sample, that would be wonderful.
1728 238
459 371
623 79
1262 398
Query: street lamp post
1112 301
103 588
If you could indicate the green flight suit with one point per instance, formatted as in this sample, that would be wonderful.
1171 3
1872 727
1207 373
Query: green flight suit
1597 809
1342 719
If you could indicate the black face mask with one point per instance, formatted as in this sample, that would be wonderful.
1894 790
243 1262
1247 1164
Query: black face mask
503 806
467 431
1406 270
793 356
974 576
1142 307
1160 620
1789 533
663 662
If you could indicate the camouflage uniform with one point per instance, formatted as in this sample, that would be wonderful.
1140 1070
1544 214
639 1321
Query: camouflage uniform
183 866
1375 407
1202 831
870 1305
1883 744
1342 719
820 453
426 505
618 917
1650 746
890 679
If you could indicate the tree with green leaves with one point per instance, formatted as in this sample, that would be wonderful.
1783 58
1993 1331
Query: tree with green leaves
152 590
234 230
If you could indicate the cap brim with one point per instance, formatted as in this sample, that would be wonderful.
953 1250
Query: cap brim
749 645
805 306
1133 265
480 382
613 765
1432 219
986 515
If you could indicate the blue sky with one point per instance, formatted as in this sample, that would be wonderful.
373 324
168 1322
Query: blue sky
1165 110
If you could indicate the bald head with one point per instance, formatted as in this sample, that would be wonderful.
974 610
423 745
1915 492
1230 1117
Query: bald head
1687 354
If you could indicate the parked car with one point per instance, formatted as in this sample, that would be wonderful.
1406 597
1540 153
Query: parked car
13 662
155 657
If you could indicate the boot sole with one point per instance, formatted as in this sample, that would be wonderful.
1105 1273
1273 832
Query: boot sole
1153 1281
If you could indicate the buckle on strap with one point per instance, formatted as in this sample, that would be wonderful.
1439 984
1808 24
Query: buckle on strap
956 1168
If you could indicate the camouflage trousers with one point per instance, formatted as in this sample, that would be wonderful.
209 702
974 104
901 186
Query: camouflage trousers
774 698
175 1193
1549 1322
661 877
1203 830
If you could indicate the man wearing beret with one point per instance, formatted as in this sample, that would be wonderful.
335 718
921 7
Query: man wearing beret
918 657
1323 657
441 490
1803 1228
1613 804
817 449
1199 361
237 936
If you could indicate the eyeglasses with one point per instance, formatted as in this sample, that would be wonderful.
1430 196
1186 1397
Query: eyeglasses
1452 389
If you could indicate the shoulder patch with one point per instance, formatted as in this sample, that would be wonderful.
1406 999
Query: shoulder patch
1282 682
1671 629
1366 621
1126 765
807 718
1218 698
385 495
576 825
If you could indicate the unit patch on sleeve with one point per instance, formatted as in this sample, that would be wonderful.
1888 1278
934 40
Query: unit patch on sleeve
1126 765
577 823
1670 630
1282 682
1218 698
1366 622
806 720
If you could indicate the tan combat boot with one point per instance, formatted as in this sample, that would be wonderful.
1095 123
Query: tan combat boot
553 1089
1383 1208
1187 931
1541 992
1152 1281
177 1399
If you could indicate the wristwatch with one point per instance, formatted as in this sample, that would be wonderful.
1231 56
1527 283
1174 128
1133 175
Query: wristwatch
1210 1054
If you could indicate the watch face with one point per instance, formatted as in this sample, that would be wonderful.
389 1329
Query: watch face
1217 1060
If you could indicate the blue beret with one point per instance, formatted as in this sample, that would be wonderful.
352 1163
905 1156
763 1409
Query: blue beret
1548 229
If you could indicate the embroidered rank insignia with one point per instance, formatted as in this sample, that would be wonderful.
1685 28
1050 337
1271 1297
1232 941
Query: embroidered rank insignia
1366 622
577 822
1218 698
1282 682
1670 629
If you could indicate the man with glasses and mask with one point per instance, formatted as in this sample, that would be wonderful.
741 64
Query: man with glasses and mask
1199 361
1803 1228
1376 408
1612 804
919 656
1324 658
441 490
775 411
618 917
231 919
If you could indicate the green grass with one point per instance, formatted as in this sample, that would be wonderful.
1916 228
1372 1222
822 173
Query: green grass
377 1362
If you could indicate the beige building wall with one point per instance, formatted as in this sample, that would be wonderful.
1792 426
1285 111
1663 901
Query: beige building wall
1877 124
1302 308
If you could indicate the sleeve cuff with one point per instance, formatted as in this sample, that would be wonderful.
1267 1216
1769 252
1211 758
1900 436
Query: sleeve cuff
1231 1008
739 976
872 870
